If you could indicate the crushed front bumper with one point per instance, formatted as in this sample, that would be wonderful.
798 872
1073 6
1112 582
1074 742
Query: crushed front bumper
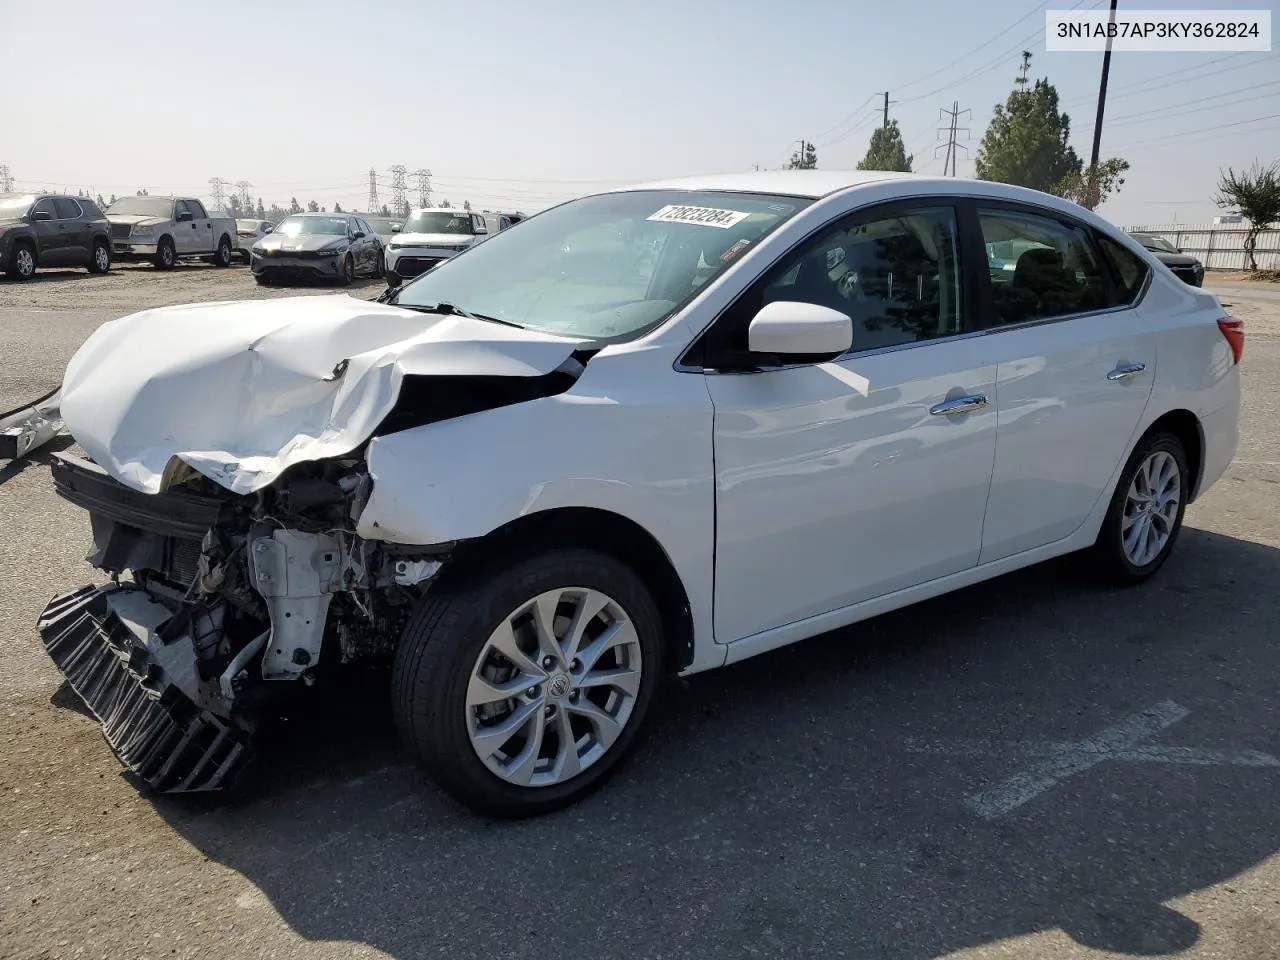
98 638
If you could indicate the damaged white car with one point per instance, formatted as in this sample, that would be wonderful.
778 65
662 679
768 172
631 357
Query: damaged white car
652 431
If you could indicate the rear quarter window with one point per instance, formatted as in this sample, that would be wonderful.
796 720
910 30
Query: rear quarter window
1129 269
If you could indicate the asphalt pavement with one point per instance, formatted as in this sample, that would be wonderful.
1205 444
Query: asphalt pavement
1035 767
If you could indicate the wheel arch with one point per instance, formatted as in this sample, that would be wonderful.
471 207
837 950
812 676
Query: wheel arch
1186 426
609 533
27 240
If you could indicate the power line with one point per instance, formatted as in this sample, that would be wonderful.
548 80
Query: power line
242 188
217 196
424 186
1185 75
1177 136
398 188
850 117
1179 107
373 191
952 144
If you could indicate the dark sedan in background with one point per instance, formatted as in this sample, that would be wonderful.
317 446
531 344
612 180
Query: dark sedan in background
49 230
318 246
1187 268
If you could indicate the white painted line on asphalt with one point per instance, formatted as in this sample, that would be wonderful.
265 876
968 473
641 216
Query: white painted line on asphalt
1058 760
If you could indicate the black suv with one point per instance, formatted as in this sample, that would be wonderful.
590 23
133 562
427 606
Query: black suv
47 230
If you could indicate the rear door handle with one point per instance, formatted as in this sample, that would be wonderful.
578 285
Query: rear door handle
1126 370
953 408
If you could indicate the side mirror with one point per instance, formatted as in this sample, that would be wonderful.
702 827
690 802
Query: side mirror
481 231
42 215
791 328
358 235
184 217
267 229
395 228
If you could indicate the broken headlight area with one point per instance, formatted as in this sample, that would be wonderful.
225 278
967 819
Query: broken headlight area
215 598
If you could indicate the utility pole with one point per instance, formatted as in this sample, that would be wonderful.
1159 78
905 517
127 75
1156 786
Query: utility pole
219 198
6 179
242 189
952 144
373 191
1091 198
886 108
398 190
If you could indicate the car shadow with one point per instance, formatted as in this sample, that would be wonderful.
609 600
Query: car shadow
783 806
43 456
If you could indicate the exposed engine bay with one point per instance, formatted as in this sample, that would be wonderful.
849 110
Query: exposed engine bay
216 596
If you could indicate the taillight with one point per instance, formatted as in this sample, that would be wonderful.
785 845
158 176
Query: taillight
1233 330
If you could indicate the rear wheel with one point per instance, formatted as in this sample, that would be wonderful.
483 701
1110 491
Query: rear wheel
524 686
348 271
166 256
223 256
22 261
1145 515
101 261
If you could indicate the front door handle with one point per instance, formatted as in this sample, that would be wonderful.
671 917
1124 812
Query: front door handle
1126 370
953 408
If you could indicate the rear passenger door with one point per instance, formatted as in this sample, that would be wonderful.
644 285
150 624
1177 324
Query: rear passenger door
1074 370
205 241
75 229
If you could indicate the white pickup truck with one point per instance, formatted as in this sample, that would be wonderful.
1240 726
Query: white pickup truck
165 230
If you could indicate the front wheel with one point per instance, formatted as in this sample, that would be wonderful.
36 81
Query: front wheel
22 262
223 257
1145 514
348 271
522 688
166 256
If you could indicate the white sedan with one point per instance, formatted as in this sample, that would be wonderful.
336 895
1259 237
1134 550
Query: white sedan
653 431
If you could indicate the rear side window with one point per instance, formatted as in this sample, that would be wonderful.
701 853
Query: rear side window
1130 270
67 208
1040 268
91 209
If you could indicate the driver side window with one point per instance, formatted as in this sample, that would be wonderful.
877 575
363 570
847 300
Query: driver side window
896 276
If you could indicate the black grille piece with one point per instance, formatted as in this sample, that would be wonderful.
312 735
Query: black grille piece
154 728
413 266
181 560
121 231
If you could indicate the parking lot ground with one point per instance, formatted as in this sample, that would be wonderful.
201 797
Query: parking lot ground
1031 768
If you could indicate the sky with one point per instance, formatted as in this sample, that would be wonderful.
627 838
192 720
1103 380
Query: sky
517 105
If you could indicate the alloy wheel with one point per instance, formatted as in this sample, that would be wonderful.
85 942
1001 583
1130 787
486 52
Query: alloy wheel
101 258
26 262
1151 508
553 687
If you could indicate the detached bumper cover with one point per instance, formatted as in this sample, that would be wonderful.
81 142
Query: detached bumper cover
155 729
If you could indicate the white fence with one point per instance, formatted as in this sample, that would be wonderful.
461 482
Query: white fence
1219 246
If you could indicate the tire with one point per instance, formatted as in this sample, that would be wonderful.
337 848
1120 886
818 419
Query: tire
348 271
222 258
442 647
100 262
1124 566
263 279
246 257
166 255
22 261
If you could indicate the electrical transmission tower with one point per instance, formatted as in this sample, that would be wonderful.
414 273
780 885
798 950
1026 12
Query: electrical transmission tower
399 203
219 198
373 191
424 186
6 179
242 190
952 145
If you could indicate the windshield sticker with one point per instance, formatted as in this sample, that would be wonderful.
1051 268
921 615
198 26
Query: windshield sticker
702 216
734 250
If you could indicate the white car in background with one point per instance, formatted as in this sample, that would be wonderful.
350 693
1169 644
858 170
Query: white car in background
656 430
430 236
249 232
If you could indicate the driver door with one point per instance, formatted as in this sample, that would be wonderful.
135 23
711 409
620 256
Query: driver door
838 482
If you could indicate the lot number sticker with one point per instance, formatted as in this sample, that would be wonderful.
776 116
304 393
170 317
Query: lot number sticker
702 216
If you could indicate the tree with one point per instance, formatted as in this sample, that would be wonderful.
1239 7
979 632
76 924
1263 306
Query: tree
294 207
337 208
806 158
1256 194
112 200
313 207
445 202
261 211
233 206
1092 186
142 193
386 211
466 205
1026 143
101 202
886 151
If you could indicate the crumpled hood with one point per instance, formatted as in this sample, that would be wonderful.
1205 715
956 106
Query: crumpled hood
240 391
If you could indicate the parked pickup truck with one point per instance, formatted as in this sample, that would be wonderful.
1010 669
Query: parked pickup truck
165 230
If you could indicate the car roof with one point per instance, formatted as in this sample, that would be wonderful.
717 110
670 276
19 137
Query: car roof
794 183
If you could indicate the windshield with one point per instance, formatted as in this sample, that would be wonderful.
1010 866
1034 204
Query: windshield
437 221
13 207
293 226
141 207
1158 244
381 224
604 267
